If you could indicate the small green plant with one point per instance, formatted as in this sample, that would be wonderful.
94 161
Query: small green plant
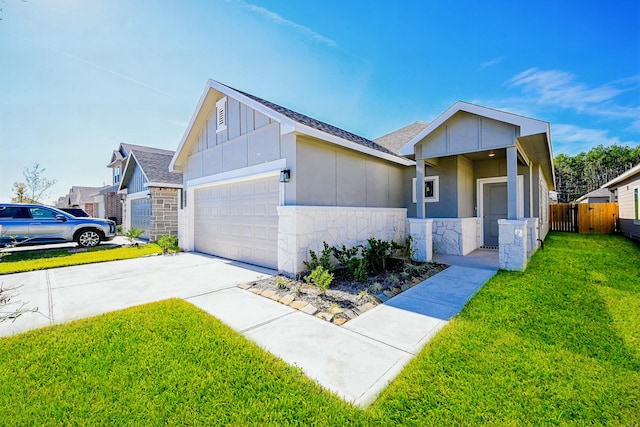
358 269
376 254
414 269
393 279
132 234
375 288
344 255
281 283
168 243
297 291
320 278
405 251
324 260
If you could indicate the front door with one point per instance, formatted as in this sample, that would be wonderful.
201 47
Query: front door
495 207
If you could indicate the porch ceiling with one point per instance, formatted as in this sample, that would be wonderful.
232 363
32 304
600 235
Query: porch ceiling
538 149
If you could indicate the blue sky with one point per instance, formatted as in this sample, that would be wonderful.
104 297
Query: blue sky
78 77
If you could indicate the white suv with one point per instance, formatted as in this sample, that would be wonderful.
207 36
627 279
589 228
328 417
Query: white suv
37 224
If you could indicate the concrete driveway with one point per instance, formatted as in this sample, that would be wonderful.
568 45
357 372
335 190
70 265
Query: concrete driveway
356 361
71 293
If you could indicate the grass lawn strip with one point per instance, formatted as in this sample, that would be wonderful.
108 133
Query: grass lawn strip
556 345
18 262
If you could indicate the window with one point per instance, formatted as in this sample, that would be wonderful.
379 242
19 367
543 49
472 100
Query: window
431 189
636 205
116 175
221 114
40 213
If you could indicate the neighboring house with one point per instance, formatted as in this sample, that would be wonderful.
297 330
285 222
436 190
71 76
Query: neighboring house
150 193
626 189
601 195
264 184
107 204
80 197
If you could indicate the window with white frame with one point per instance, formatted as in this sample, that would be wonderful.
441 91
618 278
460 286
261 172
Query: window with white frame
431 189
221 114
636 205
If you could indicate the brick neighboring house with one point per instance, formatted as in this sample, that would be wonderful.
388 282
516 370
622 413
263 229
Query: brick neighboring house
150 194
81 197
108 204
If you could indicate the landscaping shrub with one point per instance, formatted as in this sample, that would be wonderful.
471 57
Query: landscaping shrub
133 233
168 243
376 255
320 278
324 260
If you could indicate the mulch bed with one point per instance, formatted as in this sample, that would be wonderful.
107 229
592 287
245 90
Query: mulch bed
346 299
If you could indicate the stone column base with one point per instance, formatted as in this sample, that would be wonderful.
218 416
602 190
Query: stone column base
421 231
512 241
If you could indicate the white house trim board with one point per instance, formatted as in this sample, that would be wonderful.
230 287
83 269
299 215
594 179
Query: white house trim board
161 184
480 196
261 170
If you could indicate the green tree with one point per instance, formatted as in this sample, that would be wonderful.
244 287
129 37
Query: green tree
20 191
585 172
35 185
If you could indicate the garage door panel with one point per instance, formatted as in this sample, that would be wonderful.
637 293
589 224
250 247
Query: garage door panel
239 221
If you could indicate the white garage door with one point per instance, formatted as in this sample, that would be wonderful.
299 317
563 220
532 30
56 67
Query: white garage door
239 221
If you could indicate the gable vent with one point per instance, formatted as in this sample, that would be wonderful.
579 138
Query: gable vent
221 114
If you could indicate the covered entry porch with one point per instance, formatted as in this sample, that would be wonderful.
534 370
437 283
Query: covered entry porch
482 180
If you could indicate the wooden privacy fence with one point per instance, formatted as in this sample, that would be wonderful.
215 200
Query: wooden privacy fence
596 218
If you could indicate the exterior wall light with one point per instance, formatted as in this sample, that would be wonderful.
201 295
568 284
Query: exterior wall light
285 175
491 153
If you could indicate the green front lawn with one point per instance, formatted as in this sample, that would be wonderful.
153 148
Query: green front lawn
556 345
21 261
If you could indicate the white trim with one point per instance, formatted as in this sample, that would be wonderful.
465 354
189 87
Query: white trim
161 184
261 170
436 189
480 198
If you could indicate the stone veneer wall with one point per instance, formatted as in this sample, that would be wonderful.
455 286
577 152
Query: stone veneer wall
302 228
164 212
512 241
455 236
532 236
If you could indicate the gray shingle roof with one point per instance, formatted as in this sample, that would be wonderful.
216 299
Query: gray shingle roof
395 140
316 124
155 164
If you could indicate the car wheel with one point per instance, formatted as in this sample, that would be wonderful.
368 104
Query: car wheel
88 238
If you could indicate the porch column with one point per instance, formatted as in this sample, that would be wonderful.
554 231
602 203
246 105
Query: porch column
420 231
420 205
512 183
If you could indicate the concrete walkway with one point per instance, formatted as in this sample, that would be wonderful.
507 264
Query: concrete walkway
356 361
